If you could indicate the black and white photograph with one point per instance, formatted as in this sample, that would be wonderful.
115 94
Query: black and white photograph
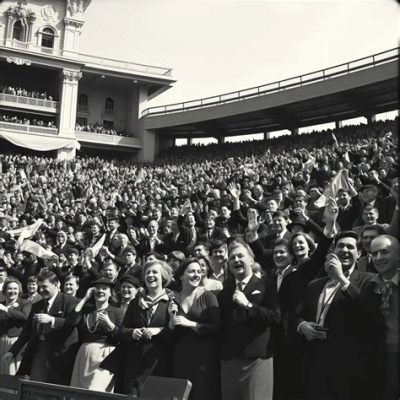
199 200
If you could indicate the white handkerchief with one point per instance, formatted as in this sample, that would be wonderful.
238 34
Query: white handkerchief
256 292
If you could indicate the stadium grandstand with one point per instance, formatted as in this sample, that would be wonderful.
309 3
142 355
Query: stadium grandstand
131 267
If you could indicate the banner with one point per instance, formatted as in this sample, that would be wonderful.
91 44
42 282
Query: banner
36 249
39 142
26 232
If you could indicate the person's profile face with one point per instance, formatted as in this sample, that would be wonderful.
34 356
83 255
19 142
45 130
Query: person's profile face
47 289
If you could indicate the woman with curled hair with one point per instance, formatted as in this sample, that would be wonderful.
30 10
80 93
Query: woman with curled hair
13 315
209 284
195 319
302 245
144 335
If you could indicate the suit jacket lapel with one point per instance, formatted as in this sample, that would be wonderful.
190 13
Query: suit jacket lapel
251 285
57 305
318 288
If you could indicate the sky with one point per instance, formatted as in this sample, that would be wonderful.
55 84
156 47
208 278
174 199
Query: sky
218 46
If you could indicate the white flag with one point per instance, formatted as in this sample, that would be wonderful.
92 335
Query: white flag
36 249
97 247
26 232
338 182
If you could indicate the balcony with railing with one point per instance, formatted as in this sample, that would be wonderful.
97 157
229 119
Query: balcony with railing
108 112
82 109
31 103
91 60
278 86
109 140
22 128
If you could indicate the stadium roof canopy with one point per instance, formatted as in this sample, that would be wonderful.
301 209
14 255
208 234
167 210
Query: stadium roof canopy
362 87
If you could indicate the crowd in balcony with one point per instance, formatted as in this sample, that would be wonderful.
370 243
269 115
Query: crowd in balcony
259 270
99 128
27 121
18 91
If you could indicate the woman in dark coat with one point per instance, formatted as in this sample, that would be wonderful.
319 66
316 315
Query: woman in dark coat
144 334
196 325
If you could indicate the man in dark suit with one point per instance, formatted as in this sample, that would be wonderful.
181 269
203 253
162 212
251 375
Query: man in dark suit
249 308
112 230
280 223
337 334
154 241
380 298
189 233
211 232
368 233
51 341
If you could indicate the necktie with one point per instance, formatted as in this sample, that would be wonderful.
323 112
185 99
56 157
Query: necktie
240 286
385 289
46 306
41 327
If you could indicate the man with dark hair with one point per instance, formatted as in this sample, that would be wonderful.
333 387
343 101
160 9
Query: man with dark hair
368 233
49 354
337 336
350 205
219 258
280 221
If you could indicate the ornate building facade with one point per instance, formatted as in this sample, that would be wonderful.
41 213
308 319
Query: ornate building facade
54 98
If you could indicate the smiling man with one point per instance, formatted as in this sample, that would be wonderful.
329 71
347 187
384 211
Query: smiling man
48 356
380 299
249 309
336 333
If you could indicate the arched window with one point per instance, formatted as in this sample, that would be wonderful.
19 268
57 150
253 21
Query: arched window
83 100
109 104
48 37
18 31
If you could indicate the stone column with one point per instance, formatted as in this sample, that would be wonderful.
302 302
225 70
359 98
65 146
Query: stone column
68 103
371 118
338 124
267 135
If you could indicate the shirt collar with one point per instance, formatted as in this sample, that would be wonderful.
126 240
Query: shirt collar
286 270
245 280
51 300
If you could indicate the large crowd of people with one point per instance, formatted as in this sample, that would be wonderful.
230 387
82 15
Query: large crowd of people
99 128
27 121
260 270
18 91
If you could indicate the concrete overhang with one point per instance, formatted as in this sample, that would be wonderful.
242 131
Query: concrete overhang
319 99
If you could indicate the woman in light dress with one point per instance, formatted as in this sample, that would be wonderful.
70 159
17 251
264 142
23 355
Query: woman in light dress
98 322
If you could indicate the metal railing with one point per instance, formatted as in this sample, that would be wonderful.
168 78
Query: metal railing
289 83
88 58
29 101
108 139
10 126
